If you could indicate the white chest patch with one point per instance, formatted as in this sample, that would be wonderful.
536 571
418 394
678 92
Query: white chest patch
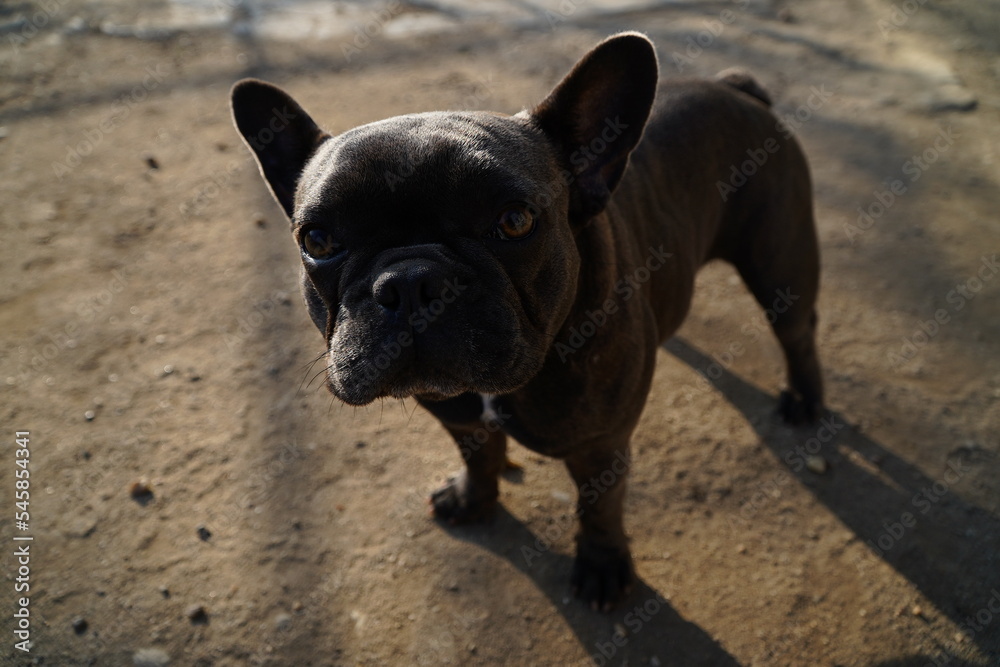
489 414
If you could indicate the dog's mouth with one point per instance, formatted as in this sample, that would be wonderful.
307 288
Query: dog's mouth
371 383
360 373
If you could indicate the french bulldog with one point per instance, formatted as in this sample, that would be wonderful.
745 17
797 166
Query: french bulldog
516 275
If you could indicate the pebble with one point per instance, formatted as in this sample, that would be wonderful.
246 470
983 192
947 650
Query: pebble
79 625
816 464
89 415
141 491
917 610
150 657
283 622
196 614
203 533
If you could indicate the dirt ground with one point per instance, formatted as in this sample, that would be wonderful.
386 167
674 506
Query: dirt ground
153 334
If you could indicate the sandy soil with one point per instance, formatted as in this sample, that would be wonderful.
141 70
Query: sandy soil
153 333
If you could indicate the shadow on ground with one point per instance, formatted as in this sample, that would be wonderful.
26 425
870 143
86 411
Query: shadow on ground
947 547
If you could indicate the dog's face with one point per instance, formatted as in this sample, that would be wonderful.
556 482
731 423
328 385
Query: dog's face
439 250
435 271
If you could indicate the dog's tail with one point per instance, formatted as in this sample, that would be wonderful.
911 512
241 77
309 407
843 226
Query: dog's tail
740 79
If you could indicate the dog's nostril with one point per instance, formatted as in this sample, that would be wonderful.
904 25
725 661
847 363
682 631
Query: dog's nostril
425 292
387 295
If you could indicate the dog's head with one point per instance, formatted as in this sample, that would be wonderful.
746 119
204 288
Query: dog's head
439 249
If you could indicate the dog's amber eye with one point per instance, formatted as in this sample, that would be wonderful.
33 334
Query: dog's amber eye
516 222
319 244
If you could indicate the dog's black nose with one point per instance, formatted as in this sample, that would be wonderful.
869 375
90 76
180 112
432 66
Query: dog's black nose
408 286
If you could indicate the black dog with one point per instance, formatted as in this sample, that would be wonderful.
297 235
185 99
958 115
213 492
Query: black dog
521 271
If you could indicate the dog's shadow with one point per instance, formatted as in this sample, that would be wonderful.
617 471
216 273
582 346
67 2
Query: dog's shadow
950 553
652 627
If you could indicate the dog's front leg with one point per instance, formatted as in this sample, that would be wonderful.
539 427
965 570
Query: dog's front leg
472 494
602 572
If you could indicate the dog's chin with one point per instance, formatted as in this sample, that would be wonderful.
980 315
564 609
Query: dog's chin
404 386
363 390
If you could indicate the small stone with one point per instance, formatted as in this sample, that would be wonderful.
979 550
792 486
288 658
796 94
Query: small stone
297 606
164 591
816 464
89 415
141 492
917 610
620 631
203 533
197 614
283 622
79 625
150 657
160 339
654 662
741 548
168 369
151 162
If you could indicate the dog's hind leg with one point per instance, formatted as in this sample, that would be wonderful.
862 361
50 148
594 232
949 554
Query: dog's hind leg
780 264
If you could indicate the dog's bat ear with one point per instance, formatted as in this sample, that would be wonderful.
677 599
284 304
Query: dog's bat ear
280 133
597 113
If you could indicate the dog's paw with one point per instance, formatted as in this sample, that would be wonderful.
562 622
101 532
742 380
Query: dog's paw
458 501
795 409
602 576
